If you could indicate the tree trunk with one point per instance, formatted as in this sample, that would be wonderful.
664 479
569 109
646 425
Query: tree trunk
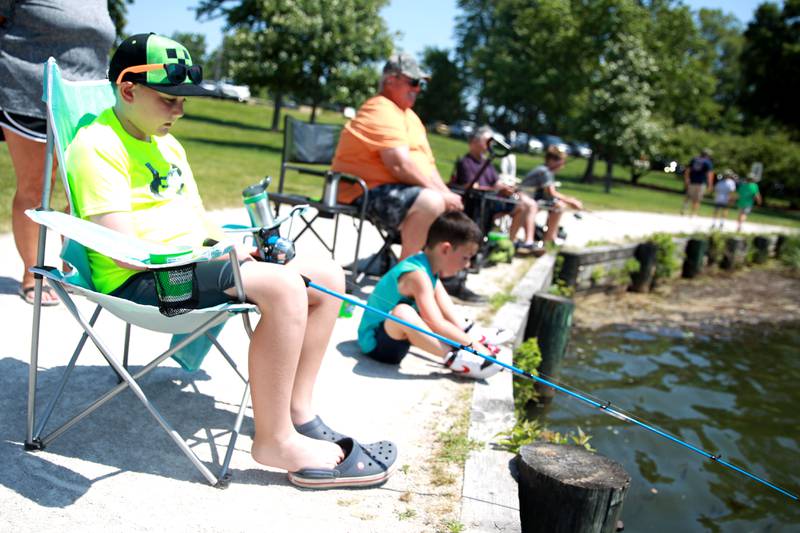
314 106
609 174
588 174
276 111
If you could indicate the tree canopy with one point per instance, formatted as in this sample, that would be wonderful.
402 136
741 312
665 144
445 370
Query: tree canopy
305 48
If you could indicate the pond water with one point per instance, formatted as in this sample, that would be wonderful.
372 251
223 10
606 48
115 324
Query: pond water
734 391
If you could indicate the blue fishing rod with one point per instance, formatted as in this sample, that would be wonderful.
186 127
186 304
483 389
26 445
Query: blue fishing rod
604 406
276 249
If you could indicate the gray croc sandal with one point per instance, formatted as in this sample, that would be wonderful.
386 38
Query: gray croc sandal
360 468
317 429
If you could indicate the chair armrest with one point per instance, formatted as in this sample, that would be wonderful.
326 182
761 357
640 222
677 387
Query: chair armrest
354 179
119 246
305 170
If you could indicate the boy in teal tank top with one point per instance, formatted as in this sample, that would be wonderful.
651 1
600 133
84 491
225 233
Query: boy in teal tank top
411 291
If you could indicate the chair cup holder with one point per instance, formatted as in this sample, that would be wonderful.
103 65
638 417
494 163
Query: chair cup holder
176 288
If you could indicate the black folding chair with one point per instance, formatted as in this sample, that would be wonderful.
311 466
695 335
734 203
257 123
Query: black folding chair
308 149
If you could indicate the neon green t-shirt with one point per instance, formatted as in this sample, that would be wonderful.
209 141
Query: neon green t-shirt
111 171
747 192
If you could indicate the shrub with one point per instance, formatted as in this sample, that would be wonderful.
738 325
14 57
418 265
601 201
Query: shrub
666 262
790 252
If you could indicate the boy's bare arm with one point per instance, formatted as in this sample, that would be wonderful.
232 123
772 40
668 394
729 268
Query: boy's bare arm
446 305
417 285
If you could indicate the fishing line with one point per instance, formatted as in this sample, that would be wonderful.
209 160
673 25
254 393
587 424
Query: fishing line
604 406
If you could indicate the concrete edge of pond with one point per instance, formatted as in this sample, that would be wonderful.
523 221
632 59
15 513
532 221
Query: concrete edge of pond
490 500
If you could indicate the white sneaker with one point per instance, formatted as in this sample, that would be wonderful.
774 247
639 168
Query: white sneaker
471 366
489 335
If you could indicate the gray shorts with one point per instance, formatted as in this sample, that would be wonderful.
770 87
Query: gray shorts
213 278
390 203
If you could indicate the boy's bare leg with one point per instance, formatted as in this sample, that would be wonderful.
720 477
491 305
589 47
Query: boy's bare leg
416 338
273 362
553 218
322 312
524 217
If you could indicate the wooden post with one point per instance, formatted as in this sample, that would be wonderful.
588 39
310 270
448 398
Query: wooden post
734 254
761 244
646 255
569 268
779 244
565 488
550 321
695 257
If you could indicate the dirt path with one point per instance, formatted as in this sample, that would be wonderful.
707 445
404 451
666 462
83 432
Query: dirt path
719 299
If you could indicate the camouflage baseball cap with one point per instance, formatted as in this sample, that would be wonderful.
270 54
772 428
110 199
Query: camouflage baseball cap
405 64
177 74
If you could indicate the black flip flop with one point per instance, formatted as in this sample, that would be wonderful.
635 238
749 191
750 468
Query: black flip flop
361 467
27 294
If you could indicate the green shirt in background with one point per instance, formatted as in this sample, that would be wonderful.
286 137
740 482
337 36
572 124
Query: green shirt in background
386 296
111 171
746 194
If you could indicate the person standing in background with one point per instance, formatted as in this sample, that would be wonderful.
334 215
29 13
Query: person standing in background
698 175
79 35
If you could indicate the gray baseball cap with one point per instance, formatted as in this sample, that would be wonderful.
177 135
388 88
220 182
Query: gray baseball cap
405 64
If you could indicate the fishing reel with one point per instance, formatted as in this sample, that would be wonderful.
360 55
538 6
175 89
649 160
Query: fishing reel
272 247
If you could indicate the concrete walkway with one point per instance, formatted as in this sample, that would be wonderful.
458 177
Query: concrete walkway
117 470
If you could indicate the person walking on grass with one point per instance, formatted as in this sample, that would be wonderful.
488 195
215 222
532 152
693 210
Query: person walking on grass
747 193
130 175
697 176
412 291
722 197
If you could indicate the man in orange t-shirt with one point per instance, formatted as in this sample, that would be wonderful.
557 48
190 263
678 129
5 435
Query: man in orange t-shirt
387 146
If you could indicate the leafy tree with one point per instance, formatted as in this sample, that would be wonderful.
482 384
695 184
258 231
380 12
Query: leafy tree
771 65
195 43
725 35
618 118
118 10
301 47
442 99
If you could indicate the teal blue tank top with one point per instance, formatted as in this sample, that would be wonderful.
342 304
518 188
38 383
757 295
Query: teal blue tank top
386 296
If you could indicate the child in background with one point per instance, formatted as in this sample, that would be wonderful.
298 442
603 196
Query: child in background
722 197
411 290
746 194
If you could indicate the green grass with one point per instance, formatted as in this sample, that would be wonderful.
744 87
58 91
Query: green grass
230 146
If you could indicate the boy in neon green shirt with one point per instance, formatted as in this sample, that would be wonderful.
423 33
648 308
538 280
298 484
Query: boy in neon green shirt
747 194
129 174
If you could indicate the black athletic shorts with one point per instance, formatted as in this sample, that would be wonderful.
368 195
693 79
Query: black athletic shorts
388 350
390 203
32 128
213 278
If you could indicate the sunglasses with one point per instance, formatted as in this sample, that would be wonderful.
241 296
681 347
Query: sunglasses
176 72
414 82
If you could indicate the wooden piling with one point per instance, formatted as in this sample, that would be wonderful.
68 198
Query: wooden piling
550 321
565 488
695 257
761 245
646 255
570 265
734 254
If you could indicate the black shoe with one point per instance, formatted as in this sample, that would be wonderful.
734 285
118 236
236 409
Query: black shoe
466 296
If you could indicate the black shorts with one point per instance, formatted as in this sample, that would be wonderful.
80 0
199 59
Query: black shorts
213 278
32 128
390 203
388 350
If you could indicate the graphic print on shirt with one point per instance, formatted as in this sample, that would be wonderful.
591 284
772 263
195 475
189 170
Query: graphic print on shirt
162 185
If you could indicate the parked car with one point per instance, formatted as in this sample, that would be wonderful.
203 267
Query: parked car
580 149
227 89
526 143
462 129
552 140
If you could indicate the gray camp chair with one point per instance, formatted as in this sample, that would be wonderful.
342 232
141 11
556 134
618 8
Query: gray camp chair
69 106
308 149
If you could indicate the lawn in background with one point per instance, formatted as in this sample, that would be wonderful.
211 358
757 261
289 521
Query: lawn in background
230 147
